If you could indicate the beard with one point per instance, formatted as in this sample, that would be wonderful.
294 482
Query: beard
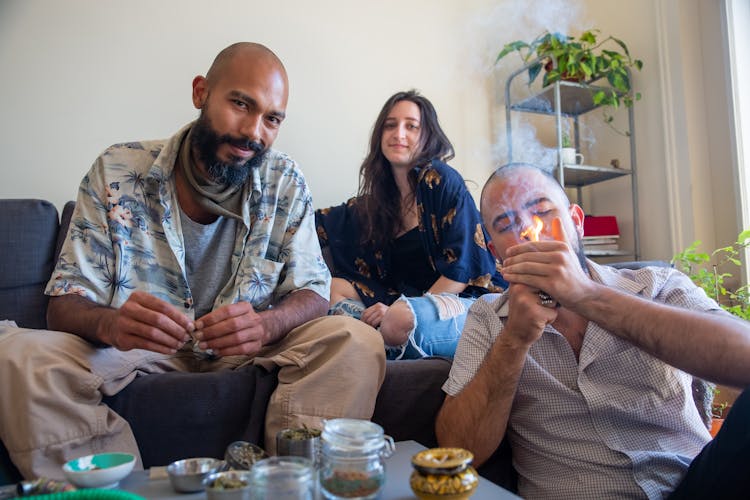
581 254
206 141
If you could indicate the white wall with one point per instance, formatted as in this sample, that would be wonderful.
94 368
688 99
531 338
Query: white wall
686 184
80 75
704 169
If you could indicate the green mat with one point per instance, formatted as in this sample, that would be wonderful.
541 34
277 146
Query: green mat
89 494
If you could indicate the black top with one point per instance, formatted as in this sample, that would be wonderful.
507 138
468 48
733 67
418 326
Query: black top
450 230
410 264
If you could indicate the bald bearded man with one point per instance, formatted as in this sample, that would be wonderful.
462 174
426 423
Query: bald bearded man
197 253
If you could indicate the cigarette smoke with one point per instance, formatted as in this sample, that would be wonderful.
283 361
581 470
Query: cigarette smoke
505 22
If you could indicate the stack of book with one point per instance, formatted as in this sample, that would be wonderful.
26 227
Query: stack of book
600 234
597 244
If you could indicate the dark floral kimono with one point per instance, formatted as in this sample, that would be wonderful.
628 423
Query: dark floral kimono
450 229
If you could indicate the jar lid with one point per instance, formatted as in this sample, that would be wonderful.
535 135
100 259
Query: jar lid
354 434
442 460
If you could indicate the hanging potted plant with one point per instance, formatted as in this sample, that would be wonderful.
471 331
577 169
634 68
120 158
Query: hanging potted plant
581 59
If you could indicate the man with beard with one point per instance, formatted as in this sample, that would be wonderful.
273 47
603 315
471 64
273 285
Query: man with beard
586 366
198 253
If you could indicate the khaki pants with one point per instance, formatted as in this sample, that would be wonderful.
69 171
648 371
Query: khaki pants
52 383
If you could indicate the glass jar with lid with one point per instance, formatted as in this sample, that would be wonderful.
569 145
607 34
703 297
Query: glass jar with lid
353 459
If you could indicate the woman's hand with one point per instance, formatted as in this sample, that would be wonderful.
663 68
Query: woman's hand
373 315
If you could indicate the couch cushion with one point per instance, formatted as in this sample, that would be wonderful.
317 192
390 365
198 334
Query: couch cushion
28 233
410 398
408 404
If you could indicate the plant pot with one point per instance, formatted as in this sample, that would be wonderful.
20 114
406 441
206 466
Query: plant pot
716 424
563 76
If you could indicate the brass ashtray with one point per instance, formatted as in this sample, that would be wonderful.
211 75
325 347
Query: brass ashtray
443 474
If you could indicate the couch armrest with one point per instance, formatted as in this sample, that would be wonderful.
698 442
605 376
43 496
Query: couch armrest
65 218
28 232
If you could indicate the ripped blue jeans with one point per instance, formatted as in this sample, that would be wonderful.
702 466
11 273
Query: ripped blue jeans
438 321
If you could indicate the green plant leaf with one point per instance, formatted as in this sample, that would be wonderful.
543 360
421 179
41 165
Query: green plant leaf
512 47
589 37
622 45
613 55
551 77
587 69
618 81
694 264
534 70
722 249
702 257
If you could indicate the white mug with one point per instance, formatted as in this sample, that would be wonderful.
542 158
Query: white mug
570 157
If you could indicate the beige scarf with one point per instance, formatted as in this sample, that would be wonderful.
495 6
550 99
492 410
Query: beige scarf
215 198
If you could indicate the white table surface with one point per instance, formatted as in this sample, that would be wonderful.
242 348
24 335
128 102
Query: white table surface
398 470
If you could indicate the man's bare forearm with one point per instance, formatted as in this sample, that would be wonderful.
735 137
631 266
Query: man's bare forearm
476 418
296 309
77 315
711 346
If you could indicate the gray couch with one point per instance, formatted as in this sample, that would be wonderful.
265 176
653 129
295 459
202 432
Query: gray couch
178 415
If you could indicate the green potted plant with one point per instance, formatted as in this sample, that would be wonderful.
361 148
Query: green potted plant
582 59
711 271
712 276
717 414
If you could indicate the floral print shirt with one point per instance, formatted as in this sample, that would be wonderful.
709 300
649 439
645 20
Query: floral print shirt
450 228
125 233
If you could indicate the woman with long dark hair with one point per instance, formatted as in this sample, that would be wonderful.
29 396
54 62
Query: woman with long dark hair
412 230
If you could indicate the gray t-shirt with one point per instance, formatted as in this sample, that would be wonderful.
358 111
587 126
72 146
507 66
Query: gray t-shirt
208 257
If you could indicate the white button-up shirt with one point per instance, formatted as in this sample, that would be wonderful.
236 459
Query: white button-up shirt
618 423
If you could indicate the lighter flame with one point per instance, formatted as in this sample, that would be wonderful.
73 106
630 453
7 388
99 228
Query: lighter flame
531 233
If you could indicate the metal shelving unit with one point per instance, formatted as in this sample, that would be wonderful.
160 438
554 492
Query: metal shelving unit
563 99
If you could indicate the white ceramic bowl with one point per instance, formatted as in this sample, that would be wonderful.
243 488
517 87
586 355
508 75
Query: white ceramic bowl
104 470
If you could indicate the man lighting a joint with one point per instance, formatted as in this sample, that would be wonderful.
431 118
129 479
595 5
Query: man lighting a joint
588 368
